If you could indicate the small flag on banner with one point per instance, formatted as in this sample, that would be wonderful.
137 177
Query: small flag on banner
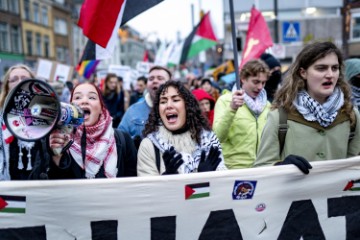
353 185
12 204
197 190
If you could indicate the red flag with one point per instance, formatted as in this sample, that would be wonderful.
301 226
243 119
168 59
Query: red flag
146 56
101 19
258 37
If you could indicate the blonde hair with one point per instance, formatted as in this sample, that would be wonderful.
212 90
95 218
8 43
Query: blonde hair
5 81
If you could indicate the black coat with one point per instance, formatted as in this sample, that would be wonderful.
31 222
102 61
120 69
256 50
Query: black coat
127 161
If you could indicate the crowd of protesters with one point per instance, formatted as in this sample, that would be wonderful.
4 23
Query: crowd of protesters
171 126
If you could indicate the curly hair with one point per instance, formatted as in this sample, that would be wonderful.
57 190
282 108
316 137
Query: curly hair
293 82
195 121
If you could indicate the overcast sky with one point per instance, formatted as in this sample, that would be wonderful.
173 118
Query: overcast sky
171 16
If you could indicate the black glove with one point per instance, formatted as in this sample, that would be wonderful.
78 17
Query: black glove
172 162
298 161
210 162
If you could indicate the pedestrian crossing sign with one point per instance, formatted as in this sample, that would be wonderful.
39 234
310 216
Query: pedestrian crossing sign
291 31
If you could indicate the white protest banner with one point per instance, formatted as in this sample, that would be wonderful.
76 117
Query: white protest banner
45 69
260 203
144 67
63 73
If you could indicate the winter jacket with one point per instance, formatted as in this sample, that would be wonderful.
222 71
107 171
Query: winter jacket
135 117
239 132
126 151
308 139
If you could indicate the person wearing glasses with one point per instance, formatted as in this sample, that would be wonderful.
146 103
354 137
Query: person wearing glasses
17 158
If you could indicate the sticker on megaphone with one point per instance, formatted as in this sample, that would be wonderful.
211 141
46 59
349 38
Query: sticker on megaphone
71 114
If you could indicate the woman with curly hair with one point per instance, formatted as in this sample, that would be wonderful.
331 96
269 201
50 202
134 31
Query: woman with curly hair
178 132
321 122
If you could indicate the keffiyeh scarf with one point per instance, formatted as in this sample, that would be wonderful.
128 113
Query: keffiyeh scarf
312 110
186 146
100 147
258 104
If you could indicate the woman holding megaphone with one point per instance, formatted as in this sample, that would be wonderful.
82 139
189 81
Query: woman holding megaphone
98 150
19 160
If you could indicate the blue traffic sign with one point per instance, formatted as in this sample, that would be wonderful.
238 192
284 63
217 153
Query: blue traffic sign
291 31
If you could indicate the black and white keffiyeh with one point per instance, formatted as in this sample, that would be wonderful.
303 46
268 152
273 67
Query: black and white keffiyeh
258 104
186 146
312 110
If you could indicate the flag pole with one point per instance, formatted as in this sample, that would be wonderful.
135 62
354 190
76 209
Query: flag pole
235 50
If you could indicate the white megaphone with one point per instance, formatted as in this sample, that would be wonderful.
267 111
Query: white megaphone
32 110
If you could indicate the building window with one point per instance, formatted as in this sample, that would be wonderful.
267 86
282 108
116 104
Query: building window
46 46
36 12
27 9
29 43
3 5
38 44
60 26
15 39
14 6
4 38
60 54
44 17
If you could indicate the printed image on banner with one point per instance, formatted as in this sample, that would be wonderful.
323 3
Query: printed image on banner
197 190
12 204
353 185
243 189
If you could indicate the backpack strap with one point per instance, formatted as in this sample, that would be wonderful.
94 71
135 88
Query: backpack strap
283 127
352 130
157 157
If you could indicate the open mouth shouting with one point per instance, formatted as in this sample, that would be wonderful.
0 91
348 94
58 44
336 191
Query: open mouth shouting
171 118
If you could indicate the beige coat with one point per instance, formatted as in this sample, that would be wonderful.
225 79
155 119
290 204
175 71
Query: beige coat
314 142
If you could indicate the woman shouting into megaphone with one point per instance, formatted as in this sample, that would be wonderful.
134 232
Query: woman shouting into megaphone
98 150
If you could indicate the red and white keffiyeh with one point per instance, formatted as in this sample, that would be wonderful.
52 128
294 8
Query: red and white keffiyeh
100 147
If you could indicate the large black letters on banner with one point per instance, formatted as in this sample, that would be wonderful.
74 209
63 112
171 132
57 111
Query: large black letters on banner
163 228
104 230
221 225
302 221
33 233
350 208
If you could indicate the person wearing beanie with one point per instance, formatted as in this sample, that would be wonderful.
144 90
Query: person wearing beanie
206 103
352 75
275 75
208 86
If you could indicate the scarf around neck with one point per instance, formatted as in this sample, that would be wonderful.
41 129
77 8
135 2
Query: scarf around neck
163 139
100 147
258 104
312 110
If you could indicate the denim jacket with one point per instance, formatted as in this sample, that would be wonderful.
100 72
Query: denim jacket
135 117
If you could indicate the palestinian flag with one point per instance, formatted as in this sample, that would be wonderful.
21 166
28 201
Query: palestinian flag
12 204
353 185
200 39
100 21
198 190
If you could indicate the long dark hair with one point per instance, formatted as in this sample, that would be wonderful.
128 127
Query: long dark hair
195 121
